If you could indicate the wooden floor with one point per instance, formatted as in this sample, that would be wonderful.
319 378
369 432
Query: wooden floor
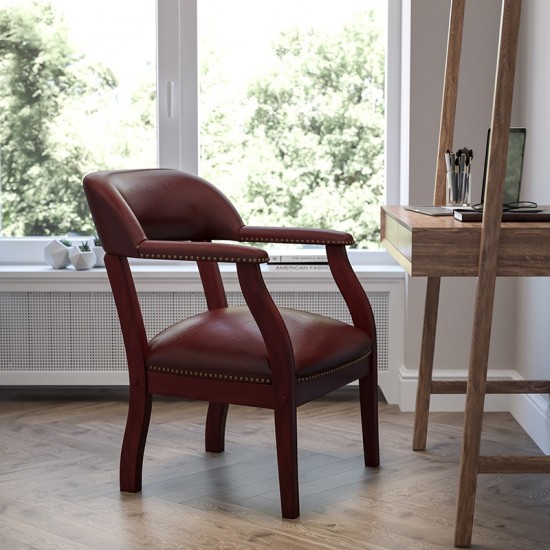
59 487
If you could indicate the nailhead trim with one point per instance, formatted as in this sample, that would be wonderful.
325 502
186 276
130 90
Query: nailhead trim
286 240
203 258
253 379
214 375
331 371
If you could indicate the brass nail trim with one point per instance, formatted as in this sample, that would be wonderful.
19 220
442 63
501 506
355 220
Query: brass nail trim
154 256
251 379
287 240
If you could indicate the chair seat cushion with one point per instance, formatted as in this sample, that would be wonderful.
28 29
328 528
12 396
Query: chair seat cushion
226 343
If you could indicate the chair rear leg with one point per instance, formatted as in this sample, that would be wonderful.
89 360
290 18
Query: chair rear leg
214 437
368 398
133 444
287 460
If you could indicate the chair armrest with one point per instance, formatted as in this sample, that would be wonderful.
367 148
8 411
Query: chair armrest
352 290
201 252
293 235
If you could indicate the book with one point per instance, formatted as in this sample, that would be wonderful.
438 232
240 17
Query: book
297 267
525 215
301 257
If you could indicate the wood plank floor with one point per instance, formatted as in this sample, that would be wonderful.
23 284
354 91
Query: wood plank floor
59 480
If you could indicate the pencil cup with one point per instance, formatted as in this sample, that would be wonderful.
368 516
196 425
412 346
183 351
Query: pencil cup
458 189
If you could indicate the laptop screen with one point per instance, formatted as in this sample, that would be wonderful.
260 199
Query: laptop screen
514 165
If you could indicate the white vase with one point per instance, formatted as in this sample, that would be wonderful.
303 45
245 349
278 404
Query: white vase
81 260
99 256
56 254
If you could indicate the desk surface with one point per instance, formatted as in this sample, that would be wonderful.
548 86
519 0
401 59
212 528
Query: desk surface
440 246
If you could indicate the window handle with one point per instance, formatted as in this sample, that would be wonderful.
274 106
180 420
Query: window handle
169 97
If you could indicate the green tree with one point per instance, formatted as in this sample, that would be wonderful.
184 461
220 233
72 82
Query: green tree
42 81
311 146
317 132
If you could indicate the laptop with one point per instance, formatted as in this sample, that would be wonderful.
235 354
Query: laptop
514 165
513 175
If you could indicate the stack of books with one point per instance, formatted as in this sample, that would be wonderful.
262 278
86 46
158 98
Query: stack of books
516 215
299 260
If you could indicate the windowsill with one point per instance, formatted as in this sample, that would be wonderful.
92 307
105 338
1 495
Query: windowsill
27 272
173 276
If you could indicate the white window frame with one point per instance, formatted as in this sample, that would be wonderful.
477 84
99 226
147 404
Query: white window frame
177 111
178 85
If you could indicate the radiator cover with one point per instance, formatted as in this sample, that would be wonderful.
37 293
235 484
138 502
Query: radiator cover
68 333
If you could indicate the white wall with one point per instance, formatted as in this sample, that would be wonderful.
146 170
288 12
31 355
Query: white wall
533 324
427 23
533 298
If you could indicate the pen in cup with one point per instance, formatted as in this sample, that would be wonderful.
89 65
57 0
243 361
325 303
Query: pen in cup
458 176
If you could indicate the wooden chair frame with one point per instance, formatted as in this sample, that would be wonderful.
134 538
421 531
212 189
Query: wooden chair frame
286 389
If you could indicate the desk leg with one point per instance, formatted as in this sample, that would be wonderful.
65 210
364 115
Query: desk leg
473 414
469 461
426 364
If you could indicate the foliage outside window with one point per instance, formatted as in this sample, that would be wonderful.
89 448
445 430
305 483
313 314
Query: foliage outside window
59 119
302 144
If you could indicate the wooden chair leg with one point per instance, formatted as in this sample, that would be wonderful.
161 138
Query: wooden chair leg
368 399
214 436
287 460
425 370
133 444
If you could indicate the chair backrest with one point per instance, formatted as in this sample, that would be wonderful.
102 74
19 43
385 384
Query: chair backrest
130 206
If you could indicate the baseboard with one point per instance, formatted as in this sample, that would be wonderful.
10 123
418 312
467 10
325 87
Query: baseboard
63 378
450 403
533 414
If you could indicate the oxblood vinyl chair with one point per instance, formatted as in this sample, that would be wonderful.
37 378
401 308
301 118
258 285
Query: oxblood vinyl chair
257 355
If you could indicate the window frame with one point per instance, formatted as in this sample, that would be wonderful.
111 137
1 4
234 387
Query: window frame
178 124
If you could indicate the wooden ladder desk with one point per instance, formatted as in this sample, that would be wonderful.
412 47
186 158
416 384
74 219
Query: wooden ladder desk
426 246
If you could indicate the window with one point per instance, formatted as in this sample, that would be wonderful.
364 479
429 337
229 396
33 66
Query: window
291 110
280 106
77 93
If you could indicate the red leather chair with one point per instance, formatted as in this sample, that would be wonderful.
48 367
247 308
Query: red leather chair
257 355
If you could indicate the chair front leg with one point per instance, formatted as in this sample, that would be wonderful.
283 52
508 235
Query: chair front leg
287 459
135 436
215 427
